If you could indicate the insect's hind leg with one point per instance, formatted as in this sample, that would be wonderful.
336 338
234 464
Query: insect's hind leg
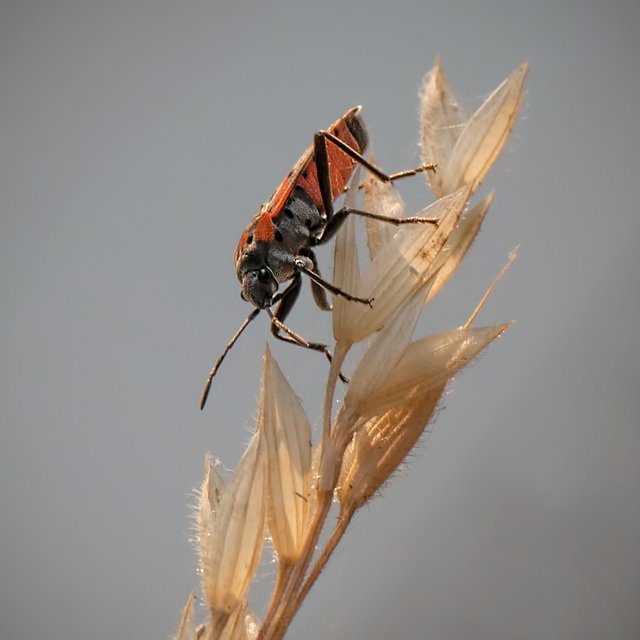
335 219
360 159
321 156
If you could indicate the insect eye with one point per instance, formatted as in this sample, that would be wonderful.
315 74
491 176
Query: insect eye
249 239
264 275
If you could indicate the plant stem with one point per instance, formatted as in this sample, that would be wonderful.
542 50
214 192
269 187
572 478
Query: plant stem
336 536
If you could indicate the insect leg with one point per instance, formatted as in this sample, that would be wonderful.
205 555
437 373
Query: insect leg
340 216
360 159
335 219
294 338
322 166
319 292
282 332
305 264
286 300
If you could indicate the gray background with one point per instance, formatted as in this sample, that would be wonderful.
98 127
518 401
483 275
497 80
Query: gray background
138 138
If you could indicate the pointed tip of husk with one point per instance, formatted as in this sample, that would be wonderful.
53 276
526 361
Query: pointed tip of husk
231 544
287 441
187 627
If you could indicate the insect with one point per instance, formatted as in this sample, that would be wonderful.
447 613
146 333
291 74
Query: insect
277 246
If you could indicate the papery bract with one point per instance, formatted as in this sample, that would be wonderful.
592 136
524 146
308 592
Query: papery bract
379 446
230 550
287 436
397 270
429 362
464 151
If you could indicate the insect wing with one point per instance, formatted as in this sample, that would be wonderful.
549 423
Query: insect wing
279 197
305 171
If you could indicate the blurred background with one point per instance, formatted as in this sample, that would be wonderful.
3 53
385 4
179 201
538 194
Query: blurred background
138 138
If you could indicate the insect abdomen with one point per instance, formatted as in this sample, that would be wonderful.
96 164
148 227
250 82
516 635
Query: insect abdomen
357 129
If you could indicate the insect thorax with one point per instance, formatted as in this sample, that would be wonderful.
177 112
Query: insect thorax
295 227
297 224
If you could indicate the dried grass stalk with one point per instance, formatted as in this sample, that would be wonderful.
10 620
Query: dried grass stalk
394 391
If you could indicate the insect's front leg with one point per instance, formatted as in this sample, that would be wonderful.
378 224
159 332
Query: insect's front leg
286 301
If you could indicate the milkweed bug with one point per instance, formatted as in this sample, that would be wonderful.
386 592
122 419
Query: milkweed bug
277 246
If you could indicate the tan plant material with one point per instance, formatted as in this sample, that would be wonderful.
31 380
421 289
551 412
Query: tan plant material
284 485
464 146
287 435
231 534
187 628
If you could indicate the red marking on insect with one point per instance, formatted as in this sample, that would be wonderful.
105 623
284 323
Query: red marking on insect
277 246
265 229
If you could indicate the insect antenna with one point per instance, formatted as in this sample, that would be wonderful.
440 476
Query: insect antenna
207 386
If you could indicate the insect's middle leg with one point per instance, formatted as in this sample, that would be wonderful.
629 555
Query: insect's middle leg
306 266
334 224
